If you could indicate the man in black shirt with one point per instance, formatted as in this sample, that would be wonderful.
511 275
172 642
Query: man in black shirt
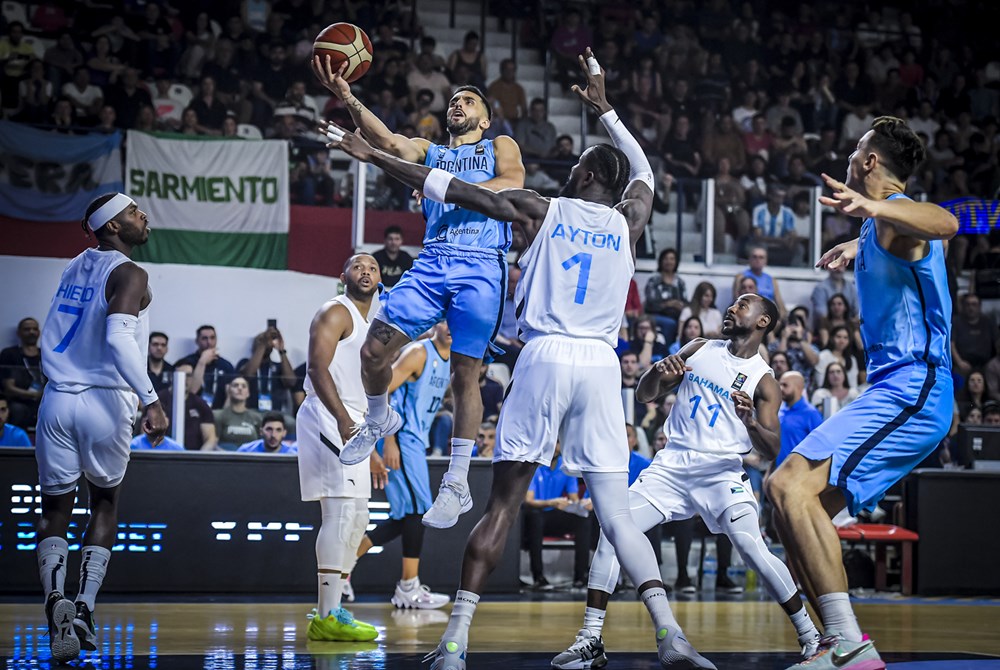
211 372
391 258
160 372
21 373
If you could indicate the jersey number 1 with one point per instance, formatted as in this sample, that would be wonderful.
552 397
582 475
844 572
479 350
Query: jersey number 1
71 333
583 260
715 414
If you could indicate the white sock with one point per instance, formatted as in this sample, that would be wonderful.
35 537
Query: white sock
378 407
53 553
804 626
409 584
593 620
331 590
461 456
838 617
655 600
461 618
92 570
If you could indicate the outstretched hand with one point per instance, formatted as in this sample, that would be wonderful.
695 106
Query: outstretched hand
847 200
593 95
840 256
353 144
332 80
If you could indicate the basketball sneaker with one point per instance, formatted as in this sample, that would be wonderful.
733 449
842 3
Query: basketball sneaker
448 655
339 626
586 652
726 585
368 433
453 499
674 651
810 647
684 586
419 597
348 591
86 631
60 613
835 652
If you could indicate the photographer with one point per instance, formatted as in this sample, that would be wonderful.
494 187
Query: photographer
795 341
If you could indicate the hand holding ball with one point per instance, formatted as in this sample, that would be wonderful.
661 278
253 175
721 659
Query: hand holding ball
344 43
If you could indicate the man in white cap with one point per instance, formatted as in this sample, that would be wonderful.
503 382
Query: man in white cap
93 346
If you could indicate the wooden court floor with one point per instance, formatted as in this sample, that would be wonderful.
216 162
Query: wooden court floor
510 634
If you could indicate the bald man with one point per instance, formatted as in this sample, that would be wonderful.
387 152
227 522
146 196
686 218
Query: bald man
797 417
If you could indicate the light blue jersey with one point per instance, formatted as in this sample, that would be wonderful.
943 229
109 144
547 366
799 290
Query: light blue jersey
448 224
905 306
418 401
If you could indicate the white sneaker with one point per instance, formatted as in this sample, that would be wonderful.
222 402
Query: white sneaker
448 655
347 590
675 651
810 647
368 433
586 653
420 597
453 499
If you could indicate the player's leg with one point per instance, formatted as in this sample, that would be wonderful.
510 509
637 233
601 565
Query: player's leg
53 556
410 593
102 531
741 525
482 553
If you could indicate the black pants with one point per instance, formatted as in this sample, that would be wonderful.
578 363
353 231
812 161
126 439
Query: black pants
538 524
683 532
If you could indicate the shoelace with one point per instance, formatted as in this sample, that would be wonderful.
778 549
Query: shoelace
344 617
826 644
582 642
423 593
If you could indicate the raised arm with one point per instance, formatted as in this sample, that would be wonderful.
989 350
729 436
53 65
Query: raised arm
760 416
667 374
637 200
325 332
412 150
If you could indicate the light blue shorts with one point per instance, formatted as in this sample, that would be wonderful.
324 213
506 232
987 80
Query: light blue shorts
879 438
408 489
464 286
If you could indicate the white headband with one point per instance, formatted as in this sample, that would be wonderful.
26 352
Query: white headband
109 210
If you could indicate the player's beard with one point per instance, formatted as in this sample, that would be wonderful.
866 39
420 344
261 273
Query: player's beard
355 289
463 127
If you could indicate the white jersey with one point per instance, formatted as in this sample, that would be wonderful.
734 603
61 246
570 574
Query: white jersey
75 351
704 417
345 368
576 273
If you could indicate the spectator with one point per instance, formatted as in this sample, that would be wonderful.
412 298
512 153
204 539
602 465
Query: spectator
924 121
974 336
211 372
159 51
226 71
723 140
105 68
199 41
10 435
538 180
568 41
648 116
141 443
680 151
160 372
975 393
428 45
486 440
199 424
62 120
836 282
236 423
756 181
35 94
389 46
566 157
692 329
550 493
190 124
128 98
15 54
633 303
975 416
666 295
536 135
211 112
767 285
272 435
840 349
425 77
393 78
744 114
388 111
645 344
856 123
508 92
62 59
270 382
168 108
786 144
106 121
492 394
391 258
731 217
782 109
21 374
991 414
630 379
471 56
838 314
797 417
758 141
774 225
304 106
270 82
426 122
796 341
703 307
779 363
87 99
834 386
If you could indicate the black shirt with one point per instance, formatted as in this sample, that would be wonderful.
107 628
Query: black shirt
218 373
26 371
392 270
267 383
162 380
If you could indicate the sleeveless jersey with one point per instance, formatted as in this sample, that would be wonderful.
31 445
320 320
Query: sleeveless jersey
449 224
345 368
704 417
905 307
576 273
418 401
75 351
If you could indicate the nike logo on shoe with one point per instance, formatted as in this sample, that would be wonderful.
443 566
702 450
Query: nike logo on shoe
840 660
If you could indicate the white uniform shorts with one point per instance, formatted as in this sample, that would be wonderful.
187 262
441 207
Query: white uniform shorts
567 389
321 474
682 483
86 433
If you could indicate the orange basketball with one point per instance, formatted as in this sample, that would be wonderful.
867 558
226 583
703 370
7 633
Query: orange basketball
345 42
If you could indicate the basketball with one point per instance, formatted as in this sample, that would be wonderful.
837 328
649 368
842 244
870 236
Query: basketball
345 42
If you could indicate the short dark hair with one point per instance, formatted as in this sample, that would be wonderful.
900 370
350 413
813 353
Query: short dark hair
197 333
273 416
157 333
991 407
480 94
898 146
27 318
771 310
392 230
611 168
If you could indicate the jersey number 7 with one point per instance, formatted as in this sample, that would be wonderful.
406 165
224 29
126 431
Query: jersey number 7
71 333
582 259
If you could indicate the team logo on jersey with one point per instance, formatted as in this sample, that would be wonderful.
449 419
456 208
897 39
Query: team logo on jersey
737 489
739 381
480 150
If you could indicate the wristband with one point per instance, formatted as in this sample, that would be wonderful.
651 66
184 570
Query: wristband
436 184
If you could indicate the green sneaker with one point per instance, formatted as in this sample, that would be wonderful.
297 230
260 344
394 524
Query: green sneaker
340 626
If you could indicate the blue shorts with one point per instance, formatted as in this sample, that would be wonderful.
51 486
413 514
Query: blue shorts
879 438
465 286
409 487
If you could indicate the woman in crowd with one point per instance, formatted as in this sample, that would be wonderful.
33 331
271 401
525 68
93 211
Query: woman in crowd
666 295
691 330
645 344
834 386
974 394
703 306
840 349
838 314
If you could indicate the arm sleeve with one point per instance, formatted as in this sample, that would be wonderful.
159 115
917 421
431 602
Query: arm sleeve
128 358
640 168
